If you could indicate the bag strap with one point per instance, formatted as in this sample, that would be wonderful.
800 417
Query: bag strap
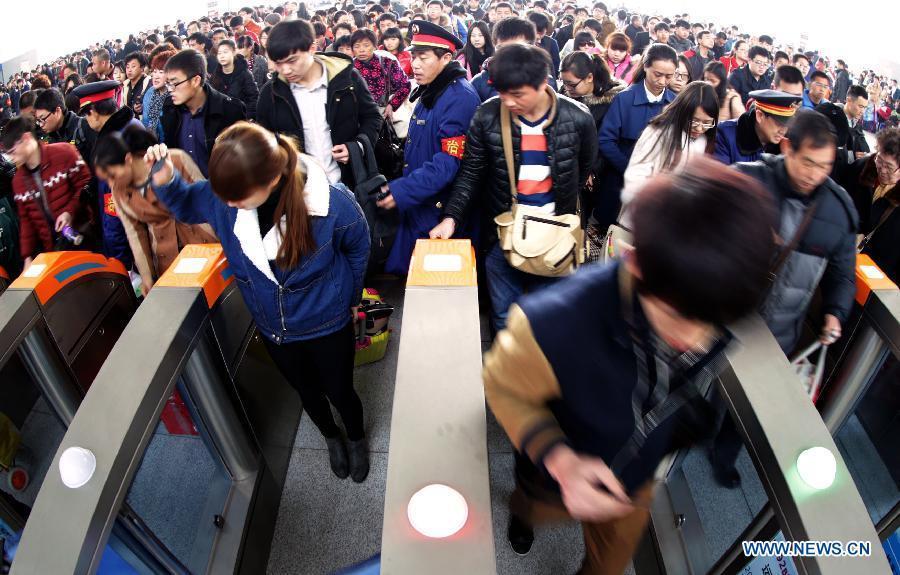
865 241
795 241
44 203
506 135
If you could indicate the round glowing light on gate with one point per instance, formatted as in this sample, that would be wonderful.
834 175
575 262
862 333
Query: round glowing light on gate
76 466
817 467
437 511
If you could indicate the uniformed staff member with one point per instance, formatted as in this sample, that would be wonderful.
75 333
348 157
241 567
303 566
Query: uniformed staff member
765 122
436 139
97 103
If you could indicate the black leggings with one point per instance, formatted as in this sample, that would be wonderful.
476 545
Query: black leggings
320 370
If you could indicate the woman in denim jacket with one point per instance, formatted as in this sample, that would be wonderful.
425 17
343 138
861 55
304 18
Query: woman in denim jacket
298 249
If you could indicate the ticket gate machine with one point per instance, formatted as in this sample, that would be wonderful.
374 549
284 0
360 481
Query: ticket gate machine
203 500
58 322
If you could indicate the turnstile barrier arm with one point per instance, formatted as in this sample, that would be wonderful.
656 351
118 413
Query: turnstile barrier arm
115 421
778 421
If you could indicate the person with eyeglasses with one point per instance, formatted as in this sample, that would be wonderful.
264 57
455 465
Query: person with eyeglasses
756 75
587 79
684 130
874 184
61 124
819 86
682 76
195 113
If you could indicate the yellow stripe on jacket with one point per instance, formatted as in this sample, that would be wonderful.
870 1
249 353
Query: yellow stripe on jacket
518 383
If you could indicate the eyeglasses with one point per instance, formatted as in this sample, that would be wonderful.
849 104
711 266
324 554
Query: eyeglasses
879 161
573 85
819 85
680 76
170 86
41 121
761 62
702 125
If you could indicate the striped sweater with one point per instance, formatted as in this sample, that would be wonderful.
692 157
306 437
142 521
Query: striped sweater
534 186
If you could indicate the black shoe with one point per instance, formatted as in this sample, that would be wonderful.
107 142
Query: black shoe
359 459
725 474
337 456
520 535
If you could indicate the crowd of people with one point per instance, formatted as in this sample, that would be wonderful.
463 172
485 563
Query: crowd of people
738 166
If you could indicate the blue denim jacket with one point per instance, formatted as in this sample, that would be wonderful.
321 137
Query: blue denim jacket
313 299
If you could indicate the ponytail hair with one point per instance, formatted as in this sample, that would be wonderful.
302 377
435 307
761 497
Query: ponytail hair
247 158
580 64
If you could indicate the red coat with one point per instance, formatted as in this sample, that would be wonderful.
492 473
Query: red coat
63 175
404 58
731 63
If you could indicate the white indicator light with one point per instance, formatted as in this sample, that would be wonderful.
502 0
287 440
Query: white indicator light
76 466
437 511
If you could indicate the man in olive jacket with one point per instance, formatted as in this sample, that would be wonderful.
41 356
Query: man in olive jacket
554 143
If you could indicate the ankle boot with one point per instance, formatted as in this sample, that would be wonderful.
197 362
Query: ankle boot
337 456
359 459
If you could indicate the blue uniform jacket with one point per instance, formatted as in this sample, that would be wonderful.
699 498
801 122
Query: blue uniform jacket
310 301
434 148
628 115
732 148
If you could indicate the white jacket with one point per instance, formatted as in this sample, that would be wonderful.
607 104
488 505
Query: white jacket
646 161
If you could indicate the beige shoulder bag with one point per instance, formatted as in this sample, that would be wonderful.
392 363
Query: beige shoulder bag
533 241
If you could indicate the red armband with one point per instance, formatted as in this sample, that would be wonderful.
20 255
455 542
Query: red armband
109 206
454 146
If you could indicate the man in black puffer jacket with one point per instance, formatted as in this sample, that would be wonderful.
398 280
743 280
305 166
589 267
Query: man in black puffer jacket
560 146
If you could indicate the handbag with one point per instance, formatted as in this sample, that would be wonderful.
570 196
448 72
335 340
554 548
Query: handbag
389 152
810 372
533 241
